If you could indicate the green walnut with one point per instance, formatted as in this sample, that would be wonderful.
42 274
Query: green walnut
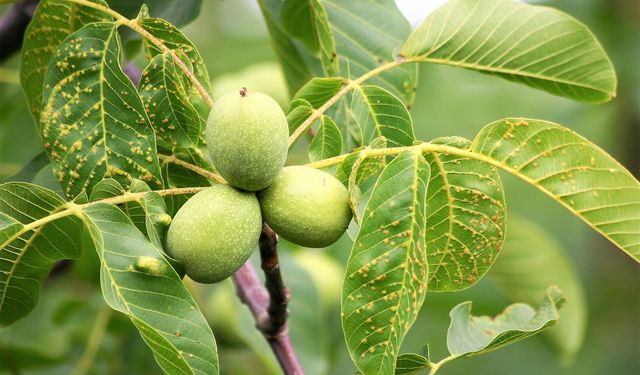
215 232
306 206
247 136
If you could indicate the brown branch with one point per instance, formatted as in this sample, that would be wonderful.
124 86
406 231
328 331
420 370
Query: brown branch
269 305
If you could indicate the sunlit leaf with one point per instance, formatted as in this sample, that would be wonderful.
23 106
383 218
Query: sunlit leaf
27 254
465 218
537 46
380 114
300 110
93 121
472 335
52 22
319 90
386 278
359 166
327 142
571 170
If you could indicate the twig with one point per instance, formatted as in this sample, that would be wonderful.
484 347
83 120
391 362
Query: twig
12 26
347 88
193 168
269 305
133 25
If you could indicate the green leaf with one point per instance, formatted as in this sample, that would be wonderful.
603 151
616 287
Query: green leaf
27 253
360 170
307 21
319 90
537 46
93 121
176 176
138 281
294 60
380 114
466 218
530 261
52 22
571 170
174 39
386 278
369 34
299 111
410 363
359 166
327 142
165 91
148 212
472 335
178 12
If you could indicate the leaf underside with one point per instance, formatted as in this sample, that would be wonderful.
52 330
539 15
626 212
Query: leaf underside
472 335
27 256
571 170
466 214
138 281
386 278
537 46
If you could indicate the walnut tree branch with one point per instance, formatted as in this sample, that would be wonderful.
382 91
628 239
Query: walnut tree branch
269 305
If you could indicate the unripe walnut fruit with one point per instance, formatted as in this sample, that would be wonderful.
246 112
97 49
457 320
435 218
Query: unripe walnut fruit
306 206
247 137
215 232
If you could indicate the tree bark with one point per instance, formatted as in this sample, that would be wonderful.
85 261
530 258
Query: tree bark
269 305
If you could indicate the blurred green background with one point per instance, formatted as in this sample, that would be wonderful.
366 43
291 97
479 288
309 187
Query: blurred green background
233 40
